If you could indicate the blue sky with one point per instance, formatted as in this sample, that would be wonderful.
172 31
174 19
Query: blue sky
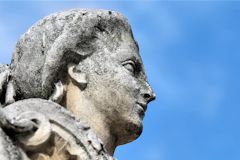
191 55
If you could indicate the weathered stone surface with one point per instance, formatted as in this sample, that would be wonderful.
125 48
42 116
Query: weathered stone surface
50 117
76 88
43 52
4 74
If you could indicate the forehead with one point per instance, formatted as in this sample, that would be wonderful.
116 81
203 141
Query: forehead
118 47
127 49
106 59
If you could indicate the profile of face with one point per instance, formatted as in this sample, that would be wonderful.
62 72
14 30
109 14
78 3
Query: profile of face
117 90
96 59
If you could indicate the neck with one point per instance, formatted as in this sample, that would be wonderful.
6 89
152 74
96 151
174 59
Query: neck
85 110
103 132
99 126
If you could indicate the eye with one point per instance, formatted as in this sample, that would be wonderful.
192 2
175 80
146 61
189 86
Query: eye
130 66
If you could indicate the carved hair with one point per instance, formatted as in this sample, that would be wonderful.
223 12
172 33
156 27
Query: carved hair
43 52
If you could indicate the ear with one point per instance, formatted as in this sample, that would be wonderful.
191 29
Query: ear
77 76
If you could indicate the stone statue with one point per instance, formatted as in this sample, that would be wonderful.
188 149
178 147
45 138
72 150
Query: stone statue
75 89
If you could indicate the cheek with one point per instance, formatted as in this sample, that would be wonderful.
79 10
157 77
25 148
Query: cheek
128 85
117 96
122 95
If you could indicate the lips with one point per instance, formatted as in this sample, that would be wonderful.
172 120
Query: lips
142 105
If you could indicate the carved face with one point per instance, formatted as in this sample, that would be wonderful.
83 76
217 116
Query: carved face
117 91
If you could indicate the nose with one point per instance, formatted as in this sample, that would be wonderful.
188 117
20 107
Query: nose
148 93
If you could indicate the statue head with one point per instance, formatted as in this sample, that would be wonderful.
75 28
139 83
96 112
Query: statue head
89 62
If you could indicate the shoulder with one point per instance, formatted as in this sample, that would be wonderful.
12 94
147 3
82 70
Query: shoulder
56 124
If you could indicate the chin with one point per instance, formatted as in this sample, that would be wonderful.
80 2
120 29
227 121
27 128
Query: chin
135 130
132 130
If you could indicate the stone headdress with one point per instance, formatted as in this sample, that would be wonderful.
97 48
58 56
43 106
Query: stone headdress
42 53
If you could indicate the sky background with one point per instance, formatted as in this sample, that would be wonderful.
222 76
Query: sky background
191 52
